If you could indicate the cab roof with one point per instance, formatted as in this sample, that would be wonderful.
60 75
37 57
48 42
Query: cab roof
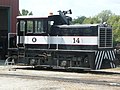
31 17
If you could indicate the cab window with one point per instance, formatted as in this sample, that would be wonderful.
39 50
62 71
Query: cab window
29 26
22 25
39 27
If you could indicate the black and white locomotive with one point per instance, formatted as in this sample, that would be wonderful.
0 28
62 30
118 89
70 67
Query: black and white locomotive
53 42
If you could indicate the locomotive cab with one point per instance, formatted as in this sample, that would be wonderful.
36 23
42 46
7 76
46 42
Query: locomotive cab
32 26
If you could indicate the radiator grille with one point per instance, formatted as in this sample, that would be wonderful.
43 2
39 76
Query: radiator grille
105 37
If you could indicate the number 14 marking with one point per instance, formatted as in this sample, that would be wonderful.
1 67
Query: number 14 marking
76 40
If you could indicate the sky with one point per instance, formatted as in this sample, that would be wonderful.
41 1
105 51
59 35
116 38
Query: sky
86 8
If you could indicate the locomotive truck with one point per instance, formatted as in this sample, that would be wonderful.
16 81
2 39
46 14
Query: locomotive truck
54 42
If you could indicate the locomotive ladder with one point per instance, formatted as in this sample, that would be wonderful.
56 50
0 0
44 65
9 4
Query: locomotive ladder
103 55
21 54
21 49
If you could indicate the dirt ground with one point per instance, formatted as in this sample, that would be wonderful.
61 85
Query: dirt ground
52 80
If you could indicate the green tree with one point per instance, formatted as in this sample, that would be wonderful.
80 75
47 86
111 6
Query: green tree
91 20
114 21
25 12
104 15
79 20
88 21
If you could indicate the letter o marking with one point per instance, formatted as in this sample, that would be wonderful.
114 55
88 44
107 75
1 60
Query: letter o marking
34 39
